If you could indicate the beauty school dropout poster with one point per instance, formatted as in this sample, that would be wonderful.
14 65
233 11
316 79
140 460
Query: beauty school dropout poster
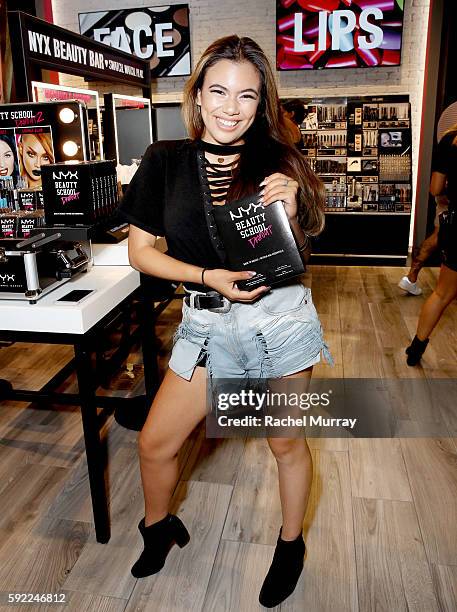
34 149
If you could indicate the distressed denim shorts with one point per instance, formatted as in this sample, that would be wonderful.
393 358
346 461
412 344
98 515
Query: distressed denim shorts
277 335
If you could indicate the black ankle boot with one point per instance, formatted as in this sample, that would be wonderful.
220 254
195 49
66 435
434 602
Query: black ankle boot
158 540
284 571
415 351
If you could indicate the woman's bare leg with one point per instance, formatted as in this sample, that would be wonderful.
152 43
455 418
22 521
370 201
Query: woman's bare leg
428 247
178 407
445 292
295 471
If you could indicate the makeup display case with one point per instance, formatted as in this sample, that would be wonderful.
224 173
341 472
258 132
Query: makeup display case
361 149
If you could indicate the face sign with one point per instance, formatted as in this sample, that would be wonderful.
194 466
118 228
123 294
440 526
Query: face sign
6 159
33 156
228 101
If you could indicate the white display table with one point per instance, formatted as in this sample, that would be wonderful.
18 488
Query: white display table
111 254
83 326
112 284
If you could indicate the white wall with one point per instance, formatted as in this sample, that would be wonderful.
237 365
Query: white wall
210 19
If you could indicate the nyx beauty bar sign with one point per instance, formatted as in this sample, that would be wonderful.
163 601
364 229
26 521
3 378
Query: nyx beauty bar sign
55 47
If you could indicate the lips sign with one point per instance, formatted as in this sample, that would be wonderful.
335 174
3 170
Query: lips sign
316 34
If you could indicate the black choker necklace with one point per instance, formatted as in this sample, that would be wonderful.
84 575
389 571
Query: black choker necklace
216 149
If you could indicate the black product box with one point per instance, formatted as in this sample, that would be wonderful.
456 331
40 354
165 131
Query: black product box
27 199
260 239
27 224
8 225
40 199
79 194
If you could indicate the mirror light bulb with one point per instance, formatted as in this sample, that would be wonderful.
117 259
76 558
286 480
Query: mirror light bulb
67 115
70 148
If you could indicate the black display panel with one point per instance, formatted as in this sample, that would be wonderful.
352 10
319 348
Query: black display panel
361 148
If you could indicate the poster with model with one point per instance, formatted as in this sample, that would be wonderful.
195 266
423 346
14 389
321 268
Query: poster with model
9 166
159 34
34 148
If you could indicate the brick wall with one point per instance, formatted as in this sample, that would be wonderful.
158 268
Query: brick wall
256 18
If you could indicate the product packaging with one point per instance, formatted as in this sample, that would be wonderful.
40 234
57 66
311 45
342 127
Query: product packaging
260 239
79 194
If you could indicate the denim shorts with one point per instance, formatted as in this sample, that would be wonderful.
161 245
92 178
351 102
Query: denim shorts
277 335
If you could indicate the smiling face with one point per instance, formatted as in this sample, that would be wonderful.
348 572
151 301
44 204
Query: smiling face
33 155
228 101
6 159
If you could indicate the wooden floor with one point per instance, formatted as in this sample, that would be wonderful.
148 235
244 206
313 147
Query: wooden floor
381 527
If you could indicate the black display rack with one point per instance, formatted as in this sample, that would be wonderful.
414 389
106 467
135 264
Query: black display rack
361 148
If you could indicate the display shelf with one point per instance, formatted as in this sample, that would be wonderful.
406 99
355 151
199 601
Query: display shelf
366 139
366 212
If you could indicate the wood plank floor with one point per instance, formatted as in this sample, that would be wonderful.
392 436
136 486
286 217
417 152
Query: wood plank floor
381 525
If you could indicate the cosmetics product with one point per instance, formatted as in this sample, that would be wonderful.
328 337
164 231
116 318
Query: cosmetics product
258 239
394 167
39 199
28 222
7 226
27 199
79 194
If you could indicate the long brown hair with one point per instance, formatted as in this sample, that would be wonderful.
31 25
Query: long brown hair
268 147
452 130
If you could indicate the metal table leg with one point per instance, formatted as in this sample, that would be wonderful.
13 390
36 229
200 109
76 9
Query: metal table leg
95 450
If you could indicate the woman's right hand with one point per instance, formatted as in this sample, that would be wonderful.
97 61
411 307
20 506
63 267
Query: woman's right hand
224 281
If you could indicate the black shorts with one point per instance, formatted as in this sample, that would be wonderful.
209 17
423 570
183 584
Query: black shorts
447 239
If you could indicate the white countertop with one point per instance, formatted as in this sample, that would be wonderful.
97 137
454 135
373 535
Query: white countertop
118 254
111 254
111 283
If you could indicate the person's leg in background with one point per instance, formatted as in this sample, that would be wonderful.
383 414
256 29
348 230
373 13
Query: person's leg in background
443 295
427 248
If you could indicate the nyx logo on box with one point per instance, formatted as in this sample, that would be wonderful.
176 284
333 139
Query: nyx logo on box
253 226
60 176
5 278
64 187
242 211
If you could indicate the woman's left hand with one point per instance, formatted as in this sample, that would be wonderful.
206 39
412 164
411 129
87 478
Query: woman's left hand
278 186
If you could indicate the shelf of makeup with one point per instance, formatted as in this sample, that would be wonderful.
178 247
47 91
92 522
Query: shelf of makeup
81 194
361 148
21 209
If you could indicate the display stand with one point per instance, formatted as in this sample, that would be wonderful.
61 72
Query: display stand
83 326
361 149
118 290
37 44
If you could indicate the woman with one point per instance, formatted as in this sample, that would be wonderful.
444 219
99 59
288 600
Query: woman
294 113
443 180
238 143
8 161
35 150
